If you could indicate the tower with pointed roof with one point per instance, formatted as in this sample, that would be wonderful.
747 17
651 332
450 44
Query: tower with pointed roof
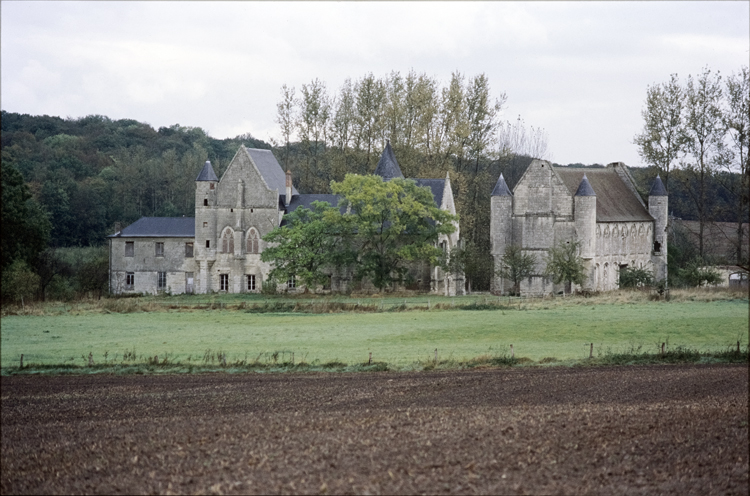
658 207
501 205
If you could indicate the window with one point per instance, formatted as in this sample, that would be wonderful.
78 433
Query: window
129 248
161 280
189 282
224 282
291 283
252 241
657 246
129 280
188 250
212 186
205 203
205 224
227 242
251 282
159 249
208 243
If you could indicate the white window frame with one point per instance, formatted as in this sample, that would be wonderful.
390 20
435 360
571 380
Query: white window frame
224 282
161 281
251 282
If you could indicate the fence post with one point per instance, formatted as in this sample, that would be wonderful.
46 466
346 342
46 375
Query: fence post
591 351
91 359
662 349
22 358
435 355
369 361
738 349
512 352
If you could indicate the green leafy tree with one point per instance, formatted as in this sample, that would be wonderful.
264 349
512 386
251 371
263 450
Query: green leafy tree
25 226
565 265
696 274
663 137
390 224
516 266
632 277
19 282
306 246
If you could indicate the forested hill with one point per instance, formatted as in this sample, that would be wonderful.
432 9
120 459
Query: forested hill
92 172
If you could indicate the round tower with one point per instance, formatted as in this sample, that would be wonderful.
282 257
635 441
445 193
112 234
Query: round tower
501 227
205 224
658 207
584 204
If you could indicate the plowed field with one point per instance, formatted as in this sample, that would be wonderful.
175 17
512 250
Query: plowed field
621 430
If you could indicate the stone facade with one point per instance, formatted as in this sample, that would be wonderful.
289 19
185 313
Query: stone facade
600 209
219 249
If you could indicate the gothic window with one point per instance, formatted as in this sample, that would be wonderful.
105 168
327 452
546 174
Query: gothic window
632 231
224 282
227 241
253 241
615 232
598 232
606 232
129 248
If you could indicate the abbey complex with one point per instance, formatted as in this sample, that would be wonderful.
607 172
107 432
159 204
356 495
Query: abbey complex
219 249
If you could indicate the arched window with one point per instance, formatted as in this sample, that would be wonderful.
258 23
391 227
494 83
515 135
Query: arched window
227 241
624 231
253 241
632 231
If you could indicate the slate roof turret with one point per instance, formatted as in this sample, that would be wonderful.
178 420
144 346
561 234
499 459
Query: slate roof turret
501 188
658 189
585 189
388 167
207 173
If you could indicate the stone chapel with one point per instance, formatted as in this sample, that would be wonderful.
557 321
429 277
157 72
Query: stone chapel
219 249
599 208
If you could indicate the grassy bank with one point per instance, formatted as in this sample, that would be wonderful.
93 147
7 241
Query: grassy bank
537 329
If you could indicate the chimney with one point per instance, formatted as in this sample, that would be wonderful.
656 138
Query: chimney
117 227
288 197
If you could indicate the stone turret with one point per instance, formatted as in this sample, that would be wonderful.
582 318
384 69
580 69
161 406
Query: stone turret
658 207
584 204
501 227
205 224
585 218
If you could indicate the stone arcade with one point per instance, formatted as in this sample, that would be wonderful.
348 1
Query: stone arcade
599 208
219 249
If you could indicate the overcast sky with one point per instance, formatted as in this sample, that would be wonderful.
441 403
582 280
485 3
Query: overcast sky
579 70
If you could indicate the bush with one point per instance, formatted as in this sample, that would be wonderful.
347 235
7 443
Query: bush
633 277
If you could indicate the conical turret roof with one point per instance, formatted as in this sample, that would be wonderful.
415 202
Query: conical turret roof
585 189
501 188
658 189
388 166
207 173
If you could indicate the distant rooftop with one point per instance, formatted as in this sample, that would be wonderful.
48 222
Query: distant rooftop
159 227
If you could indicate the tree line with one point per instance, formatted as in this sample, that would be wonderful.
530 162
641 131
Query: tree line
696 133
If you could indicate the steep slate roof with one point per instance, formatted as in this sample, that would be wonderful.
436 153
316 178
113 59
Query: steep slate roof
501 188
614 200
307 201
437 186
270 169
159 227
658 189
585 189
388 166
207 173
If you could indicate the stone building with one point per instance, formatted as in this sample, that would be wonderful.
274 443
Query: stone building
219 249
599 208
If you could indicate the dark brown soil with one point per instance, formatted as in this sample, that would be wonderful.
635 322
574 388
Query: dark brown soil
621 430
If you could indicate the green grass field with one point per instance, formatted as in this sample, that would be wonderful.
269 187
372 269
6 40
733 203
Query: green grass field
399 338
